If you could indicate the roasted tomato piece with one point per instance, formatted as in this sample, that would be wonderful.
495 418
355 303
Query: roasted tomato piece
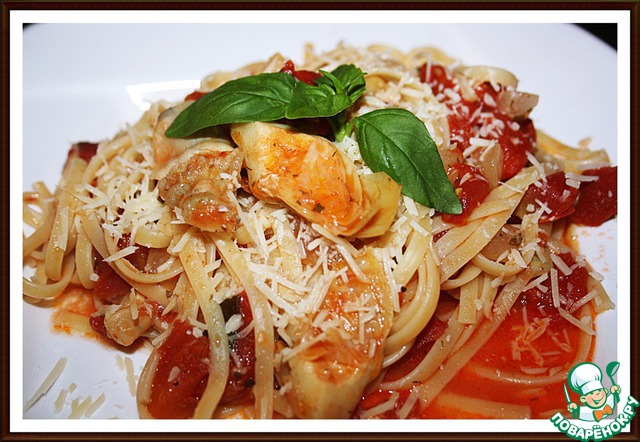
598 200
553 194
471 187
181 374
300 75
242 365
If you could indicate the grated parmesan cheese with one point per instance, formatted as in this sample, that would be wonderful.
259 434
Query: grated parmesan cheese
581 324
197 332
48 382
60 400
131 379
533 370
133 304
545 208
537 283
539 167
94 405
578 177
233 324
410 205
518 259
161 337
181 243
584 300
80 408
572 183
560 264
555 292
173 374
121 253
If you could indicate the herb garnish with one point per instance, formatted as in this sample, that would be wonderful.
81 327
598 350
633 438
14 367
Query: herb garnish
271 97
394 141
262 97
335 92
397 142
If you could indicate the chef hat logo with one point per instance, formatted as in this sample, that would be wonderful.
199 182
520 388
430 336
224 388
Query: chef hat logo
585 378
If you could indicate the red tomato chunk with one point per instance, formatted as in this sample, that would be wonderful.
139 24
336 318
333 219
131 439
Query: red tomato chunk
481 118
181 374
300 75
598 201
554 194
471 187
242 366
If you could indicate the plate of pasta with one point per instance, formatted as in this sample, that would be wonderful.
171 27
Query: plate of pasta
334 222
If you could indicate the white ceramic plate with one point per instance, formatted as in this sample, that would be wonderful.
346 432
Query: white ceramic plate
86 81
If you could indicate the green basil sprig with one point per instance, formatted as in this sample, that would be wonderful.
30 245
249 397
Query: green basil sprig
397 142
271 97
334 92
262 97
394 141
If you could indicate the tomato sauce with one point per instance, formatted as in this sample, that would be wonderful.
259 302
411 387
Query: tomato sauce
481 118
379 396
77 301
505 352
497 356
498 353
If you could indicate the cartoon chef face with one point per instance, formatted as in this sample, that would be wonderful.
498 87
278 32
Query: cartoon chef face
594 399
586 380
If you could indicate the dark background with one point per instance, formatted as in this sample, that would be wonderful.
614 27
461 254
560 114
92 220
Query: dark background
607 32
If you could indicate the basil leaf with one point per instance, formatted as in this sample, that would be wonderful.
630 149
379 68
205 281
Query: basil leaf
334 92
262 97
352 80
270 97
314 101
397 142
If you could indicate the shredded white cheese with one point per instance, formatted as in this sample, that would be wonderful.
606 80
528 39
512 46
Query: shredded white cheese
560 264
48 382
581 324
121 253
131 379
555 292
